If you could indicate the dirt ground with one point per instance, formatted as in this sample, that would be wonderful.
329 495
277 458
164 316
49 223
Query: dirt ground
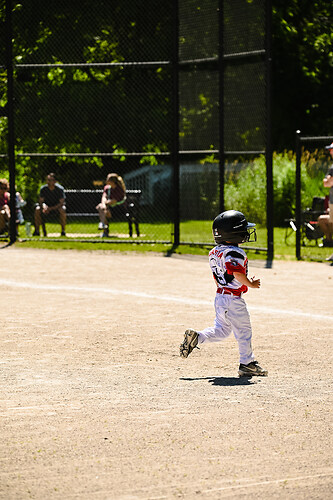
97 404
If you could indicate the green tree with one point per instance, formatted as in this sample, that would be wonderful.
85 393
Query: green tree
302 69
127 108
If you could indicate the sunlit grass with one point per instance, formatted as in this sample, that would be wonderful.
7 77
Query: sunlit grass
195 237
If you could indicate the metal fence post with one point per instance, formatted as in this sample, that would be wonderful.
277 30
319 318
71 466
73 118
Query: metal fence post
269 149
175 127
298 194
221 105
10 116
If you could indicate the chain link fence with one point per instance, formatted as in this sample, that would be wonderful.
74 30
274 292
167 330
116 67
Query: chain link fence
170 98
313 163
223 96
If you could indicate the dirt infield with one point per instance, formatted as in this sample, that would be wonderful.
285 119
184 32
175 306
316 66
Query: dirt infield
97 404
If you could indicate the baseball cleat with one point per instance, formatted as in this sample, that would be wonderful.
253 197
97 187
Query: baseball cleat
252 369
190 343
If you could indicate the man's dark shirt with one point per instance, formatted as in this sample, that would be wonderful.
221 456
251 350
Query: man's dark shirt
52 198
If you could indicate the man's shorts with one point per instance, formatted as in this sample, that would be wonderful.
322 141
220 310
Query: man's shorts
331 212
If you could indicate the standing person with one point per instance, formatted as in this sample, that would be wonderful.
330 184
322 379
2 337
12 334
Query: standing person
114 193
51 201
20 203
325 221
4 205
229 265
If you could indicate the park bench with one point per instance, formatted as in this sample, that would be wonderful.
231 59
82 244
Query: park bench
81 203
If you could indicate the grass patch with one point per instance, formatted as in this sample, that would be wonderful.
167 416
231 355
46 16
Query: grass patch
196 239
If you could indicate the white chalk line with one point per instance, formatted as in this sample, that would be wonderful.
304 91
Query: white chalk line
151 296
274 481
238 486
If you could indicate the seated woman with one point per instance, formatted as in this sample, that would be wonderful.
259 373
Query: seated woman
114 193
4 205
325 221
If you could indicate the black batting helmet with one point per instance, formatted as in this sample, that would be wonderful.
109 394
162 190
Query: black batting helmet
233 227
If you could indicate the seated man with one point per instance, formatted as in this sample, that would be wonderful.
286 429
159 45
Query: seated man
4 205
51 201
325 221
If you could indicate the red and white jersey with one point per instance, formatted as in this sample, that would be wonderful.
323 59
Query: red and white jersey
224 260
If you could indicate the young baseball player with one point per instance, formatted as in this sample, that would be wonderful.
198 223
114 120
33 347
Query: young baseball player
229 266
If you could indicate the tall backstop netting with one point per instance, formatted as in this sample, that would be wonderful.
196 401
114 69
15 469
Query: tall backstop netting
174 98
224 59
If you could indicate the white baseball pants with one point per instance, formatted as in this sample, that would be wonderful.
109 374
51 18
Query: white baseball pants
231 316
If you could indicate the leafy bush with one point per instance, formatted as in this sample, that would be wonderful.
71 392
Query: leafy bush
246 190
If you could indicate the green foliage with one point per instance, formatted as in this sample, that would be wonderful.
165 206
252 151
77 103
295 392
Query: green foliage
91 108
302 69
246 190
284 187
48 100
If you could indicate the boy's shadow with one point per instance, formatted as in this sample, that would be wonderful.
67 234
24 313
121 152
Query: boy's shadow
224 381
